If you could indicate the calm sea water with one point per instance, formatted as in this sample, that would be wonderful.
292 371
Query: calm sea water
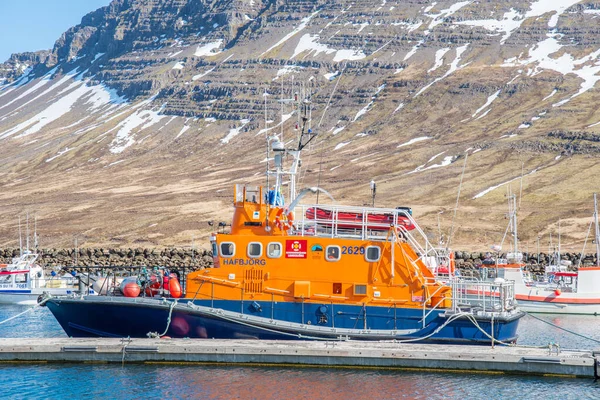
76 381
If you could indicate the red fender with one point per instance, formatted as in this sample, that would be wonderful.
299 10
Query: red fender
174 286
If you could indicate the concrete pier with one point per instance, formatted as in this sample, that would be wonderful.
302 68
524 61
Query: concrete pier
388 355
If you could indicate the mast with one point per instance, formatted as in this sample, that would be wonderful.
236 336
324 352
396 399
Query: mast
597 229
558 253
306 135
35 236
27 230
514 222
20 238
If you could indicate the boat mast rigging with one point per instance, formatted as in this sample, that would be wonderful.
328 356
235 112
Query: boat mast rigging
277 145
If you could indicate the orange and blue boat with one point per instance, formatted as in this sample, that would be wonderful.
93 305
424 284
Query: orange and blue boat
306 271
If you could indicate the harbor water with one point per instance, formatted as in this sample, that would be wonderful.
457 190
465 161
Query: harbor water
50 381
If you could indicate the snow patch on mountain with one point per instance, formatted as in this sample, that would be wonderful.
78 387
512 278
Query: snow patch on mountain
512 20
208 50
310 43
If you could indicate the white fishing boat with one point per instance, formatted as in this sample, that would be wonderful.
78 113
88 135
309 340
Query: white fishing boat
561 290
23 281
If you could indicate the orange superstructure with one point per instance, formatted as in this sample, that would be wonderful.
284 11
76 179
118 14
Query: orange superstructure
266 256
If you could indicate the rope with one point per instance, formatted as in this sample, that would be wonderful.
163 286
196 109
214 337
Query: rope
505 233
563 329
457 198
155 334
19 314
318 126
301 336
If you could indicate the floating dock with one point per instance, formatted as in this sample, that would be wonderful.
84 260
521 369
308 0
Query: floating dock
386 355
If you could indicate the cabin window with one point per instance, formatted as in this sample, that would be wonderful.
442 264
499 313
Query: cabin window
274 250
254 249
20 278
373 253
227 249
332 253
360 290
252 194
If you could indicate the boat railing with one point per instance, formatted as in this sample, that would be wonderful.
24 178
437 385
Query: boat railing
473 297
483 296
364 223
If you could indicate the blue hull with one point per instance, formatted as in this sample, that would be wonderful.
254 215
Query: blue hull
97 316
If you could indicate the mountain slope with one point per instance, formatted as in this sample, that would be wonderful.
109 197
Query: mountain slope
134 126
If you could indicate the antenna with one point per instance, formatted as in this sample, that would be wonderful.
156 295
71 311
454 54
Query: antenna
514 222
558 260
440 240
27 230
521 186
304 138
282 109
267 163
35 236
597 230
20 238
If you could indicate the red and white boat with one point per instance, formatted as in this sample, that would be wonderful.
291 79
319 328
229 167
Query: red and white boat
561 291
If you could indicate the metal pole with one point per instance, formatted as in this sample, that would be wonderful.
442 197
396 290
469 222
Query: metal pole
538 250
597 230
373 191
514 218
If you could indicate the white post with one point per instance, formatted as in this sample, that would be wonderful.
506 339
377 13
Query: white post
27 230
514 221
597 230
20 238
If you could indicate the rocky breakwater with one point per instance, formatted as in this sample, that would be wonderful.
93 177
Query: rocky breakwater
469 261
83 257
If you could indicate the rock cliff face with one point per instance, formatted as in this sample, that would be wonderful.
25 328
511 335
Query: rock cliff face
131 129
22 63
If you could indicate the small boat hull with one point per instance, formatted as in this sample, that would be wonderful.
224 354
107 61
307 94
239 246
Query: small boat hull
556 306
97 316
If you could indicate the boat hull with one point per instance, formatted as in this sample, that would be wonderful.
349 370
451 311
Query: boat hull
553 305
97 316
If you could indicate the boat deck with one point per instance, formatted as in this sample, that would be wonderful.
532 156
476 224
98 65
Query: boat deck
358 354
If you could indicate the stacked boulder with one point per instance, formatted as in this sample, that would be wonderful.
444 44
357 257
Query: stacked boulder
84 257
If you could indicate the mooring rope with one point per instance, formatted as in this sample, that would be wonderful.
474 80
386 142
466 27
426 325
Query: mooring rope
156 334
563 329
19 314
